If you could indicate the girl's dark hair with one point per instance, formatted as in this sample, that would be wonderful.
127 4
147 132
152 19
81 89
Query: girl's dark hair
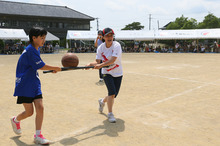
100 32
36 31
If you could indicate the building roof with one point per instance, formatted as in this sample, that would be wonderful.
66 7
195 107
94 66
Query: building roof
30 9
165 26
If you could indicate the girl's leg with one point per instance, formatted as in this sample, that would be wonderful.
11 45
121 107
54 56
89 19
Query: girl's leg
105 99
29 110
39 113
110 102
15 121
109 82
115 89
38 138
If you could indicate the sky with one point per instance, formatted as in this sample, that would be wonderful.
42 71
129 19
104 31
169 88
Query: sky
116 14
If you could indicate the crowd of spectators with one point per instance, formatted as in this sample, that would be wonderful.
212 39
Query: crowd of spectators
87 49
184 48
147 48
18 48
13 49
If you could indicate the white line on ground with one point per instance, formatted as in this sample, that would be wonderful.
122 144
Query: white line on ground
165 99
174 96
170 78
69 134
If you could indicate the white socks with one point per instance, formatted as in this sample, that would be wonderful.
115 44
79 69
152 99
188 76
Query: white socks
15 119
38 132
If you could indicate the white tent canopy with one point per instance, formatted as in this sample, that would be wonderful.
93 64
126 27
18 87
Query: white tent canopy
81 35
12 34
187 34
49 37
119 35
149 35
134 35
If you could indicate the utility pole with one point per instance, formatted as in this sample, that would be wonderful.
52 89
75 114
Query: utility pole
158 24
149 21
97 20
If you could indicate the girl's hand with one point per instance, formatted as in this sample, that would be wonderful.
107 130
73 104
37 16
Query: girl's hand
98 66
56 69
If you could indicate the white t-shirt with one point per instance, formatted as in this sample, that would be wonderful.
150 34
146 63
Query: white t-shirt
104 54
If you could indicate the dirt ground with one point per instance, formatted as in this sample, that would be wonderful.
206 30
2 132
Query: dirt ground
164 100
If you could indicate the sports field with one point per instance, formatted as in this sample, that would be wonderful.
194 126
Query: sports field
164 100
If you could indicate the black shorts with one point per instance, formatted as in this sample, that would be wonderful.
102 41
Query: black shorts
23 99
113 84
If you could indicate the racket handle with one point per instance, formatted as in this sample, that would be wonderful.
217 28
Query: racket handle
47 71
69 68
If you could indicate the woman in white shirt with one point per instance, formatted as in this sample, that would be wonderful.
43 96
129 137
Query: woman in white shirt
109 53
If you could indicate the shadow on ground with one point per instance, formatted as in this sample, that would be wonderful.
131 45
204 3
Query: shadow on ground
18 142
110 129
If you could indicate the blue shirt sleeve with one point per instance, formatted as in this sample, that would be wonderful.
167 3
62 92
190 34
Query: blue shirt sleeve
35 61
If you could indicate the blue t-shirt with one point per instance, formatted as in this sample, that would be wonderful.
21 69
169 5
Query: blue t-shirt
99 42
27 78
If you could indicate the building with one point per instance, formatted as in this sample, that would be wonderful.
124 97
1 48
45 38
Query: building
56 19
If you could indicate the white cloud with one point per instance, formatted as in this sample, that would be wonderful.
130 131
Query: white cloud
128 2
152 10
113 5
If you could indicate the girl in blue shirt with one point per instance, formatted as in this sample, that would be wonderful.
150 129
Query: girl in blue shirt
28 86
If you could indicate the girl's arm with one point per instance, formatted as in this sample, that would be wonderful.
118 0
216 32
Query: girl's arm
48 67
107 63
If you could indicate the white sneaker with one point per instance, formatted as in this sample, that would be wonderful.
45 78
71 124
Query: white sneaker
101 105
40 139
16 126
111 118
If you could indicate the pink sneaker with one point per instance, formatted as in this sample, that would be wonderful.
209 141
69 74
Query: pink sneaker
16 126
40 139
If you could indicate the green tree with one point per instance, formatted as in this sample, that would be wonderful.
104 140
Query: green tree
173 25
190 24
181 23
133 26
210 21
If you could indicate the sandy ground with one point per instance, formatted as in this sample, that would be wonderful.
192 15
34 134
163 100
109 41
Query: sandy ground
165 100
